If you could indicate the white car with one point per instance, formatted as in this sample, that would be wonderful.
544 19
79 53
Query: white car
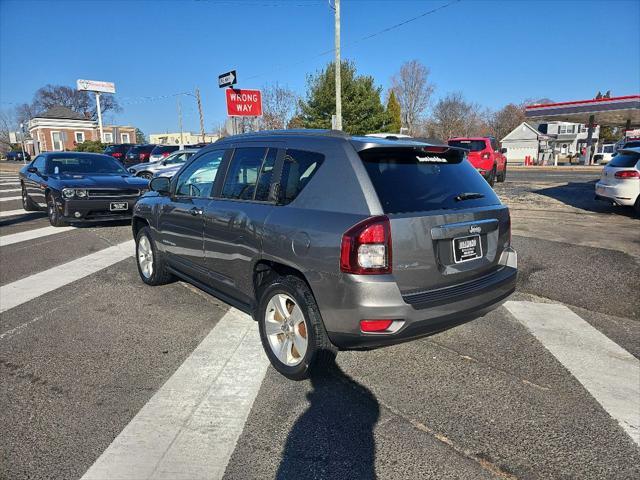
605 153
620 180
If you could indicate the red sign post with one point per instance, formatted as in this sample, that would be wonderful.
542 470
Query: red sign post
244 103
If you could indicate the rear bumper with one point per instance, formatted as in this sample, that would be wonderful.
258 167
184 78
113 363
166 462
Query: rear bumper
88 210
419 314
623 195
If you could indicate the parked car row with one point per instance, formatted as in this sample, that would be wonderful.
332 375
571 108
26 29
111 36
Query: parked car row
620 180
171 162
131 154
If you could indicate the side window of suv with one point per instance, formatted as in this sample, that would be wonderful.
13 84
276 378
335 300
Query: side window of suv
198 178
298 168
249 174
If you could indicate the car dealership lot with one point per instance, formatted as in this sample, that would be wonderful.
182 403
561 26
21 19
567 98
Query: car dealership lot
159 370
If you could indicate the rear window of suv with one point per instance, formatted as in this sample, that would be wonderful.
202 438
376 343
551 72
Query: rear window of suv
413 180
625 160
471 145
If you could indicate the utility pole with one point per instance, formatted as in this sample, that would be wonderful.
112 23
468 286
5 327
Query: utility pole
99 116
338 78
179 105
201 116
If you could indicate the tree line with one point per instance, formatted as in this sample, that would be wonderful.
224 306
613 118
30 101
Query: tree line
406 107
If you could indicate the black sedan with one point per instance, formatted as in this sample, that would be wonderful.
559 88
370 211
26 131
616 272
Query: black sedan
80 187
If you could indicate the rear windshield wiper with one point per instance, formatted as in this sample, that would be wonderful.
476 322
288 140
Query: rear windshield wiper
467 196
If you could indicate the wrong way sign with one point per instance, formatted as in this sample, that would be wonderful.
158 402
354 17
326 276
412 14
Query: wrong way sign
244 103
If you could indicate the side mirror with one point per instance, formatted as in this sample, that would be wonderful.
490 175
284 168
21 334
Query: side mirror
32 170
503 150
162 185
164 163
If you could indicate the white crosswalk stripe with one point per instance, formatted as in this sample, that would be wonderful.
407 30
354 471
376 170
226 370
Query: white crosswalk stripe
7 199
31 235
606 370
7 190
33 286
13 213
190 427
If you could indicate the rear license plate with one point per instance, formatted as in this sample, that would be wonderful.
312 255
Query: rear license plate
466 248
119 206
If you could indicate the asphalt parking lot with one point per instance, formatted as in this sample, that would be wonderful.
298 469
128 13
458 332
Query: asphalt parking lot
104 377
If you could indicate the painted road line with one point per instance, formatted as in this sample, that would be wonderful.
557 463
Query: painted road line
33 286
7 190
13 213
31 234
6 199
605 369
190 427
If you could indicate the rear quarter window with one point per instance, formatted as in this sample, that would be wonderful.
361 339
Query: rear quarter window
412 180
298 169
625 160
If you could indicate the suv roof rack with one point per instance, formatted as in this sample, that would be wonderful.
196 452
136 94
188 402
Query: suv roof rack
293 131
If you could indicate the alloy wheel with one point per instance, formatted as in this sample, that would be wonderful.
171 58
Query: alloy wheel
145 257
286 329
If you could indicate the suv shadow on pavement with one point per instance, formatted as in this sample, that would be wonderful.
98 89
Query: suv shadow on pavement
335 434
582 195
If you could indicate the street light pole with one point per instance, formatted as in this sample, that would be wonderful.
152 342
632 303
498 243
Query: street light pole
24 158
338 125
180 121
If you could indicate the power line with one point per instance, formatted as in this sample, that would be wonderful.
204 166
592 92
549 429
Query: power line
289 65
362 39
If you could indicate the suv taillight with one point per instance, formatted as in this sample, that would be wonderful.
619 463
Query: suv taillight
627 174
366 247
116 154
165 154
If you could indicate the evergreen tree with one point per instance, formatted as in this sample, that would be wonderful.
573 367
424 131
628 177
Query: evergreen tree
394 119
362 110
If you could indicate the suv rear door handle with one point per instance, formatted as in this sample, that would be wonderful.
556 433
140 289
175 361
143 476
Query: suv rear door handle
195 211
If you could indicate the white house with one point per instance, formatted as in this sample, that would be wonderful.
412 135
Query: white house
524 141
547 142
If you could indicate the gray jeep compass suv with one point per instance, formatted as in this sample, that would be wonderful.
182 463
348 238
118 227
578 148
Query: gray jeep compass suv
330 241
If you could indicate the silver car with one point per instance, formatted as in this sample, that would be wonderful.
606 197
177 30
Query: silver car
330 241
149 169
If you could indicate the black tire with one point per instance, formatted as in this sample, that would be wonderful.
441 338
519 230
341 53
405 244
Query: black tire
492 176
159 274
147 175
636 206
503 175
28 204
53 213
320 354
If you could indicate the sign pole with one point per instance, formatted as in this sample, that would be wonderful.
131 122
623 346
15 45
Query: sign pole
200 112
24 158
99 116
180 121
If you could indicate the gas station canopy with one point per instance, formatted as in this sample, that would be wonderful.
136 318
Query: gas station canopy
614 112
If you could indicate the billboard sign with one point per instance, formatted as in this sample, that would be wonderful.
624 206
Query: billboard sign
97 86
244 103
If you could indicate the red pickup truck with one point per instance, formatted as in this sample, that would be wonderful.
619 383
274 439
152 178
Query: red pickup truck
485 155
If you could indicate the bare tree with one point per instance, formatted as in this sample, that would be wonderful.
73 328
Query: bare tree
279 105
506 119
453 116
78 101
413 91
6 126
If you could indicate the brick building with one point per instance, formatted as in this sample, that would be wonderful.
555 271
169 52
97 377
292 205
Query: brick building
59 129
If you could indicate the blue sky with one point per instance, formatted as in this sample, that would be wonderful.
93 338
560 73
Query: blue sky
494 52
